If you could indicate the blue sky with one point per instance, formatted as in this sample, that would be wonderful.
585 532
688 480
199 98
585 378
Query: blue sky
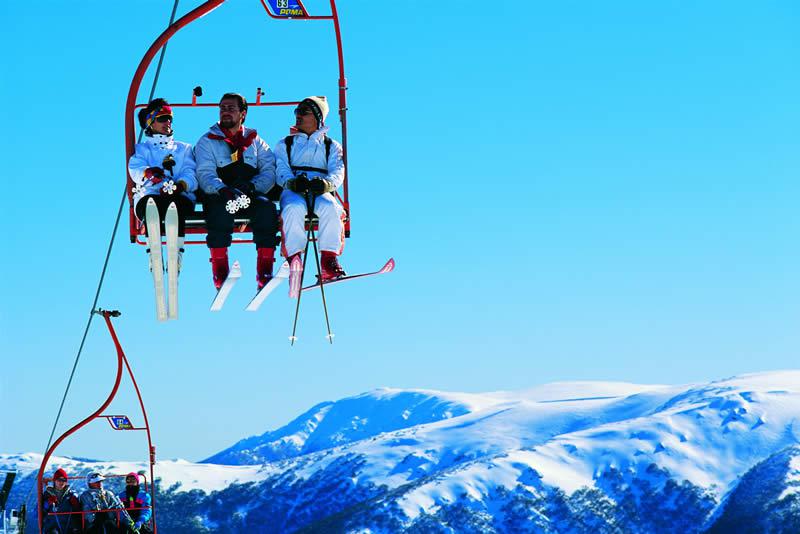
572 191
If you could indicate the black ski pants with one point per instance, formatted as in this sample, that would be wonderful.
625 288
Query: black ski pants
263 221
184 205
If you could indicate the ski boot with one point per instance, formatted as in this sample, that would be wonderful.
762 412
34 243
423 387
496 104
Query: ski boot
264 262
331 270
295 275
219 265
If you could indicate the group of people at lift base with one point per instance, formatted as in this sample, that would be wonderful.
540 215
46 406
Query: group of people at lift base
96 510
234 173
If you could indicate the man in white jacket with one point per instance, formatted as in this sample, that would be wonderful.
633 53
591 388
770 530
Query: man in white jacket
162 168
310 165
236 170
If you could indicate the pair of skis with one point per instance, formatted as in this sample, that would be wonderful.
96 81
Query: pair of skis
234 275
280 276
165 309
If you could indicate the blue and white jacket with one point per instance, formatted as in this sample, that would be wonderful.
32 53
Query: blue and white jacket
309 151
151 153
213 153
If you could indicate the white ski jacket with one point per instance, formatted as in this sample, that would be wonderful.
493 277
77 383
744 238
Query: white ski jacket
309 151
213 153
151 153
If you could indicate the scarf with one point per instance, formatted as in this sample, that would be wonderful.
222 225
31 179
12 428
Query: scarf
237 142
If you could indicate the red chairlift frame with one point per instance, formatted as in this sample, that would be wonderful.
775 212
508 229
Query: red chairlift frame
136 229
117 512
98 414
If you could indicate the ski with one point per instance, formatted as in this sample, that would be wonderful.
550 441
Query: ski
263 293
171 227
387 268
227 285
153 221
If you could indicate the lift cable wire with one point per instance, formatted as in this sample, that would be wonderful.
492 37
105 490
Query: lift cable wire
108 253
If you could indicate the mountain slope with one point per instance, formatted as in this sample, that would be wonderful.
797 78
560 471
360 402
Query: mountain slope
567 457
352 419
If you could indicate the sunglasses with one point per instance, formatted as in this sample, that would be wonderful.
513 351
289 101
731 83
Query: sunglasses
164 118
302 110
229 108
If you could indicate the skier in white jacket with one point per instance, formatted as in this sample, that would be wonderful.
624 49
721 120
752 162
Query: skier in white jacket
310 163
162 168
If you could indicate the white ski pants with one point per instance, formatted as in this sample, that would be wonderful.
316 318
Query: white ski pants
330 236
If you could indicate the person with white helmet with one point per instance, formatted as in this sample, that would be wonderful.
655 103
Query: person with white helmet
104 513
310 166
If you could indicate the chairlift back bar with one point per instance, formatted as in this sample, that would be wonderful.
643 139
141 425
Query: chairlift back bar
214 104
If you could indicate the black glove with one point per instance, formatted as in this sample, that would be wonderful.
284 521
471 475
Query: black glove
246 186
229 193
299 184
318 186
168 163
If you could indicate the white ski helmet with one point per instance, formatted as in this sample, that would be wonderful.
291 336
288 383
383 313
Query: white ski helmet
319 105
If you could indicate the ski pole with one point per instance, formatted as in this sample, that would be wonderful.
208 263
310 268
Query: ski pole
319 271
310 217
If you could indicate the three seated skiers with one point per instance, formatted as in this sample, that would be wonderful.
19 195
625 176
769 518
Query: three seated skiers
236 174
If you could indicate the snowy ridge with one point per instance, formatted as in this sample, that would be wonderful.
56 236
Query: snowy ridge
190 476
566 457
351 419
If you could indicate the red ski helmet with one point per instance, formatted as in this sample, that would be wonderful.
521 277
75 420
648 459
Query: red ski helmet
60 474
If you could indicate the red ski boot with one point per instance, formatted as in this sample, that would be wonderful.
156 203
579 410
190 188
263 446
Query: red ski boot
264 263
295 275
219 265
331 270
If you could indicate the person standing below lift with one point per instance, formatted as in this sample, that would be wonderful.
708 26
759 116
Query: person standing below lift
310 166
236 169
162 168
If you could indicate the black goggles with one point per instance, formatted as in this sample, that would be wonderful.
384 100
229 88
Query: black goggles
164 118
303 109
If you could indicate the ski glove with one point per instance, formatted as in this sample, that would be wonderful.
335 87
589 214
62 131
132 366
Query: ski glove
299 184
168 163
154 174
245 186
171 187
318 186
235 199
229 193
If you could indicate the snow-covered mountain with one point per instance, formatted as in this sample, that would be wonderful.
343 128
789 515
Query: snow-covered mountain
566 457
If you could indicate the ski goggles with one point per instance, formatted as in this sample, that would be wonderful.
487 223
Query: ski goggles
303 109
159 115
